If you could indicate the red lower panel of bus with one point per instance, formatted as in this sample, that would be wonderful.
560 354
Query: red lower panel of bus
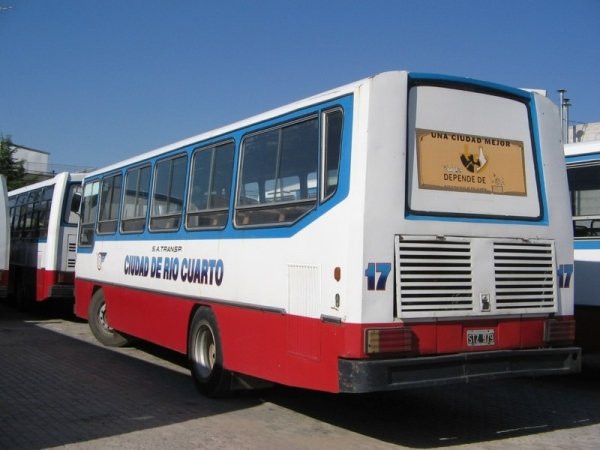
3 283
52 283
292 350
32 284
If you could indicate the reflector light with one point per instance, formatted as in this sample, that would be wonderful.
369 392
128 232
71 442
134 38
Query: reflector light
389 340
559 332
65 278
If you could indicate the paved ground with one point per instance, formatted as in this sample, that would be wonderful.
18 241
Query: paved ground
60 389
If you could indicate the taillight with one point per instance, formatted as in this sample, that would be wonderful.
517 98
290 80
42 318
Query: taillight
388 340
559 332
4 277
65 277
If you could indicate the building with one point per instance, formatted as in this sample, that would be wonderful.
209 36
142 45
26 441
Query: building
35 162
584 132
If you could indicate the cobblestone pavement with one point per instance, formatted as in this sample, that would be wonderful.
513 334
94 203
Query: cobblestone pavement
60 389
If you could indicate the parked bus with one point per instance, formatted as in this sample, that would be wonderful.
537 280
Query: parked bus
583 171
403 230
4 238
44 219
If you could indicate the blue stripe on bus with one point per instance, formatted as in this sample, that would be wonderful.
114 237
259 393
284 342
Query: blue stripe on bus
539 161
467 219
587 244
436 78
583 158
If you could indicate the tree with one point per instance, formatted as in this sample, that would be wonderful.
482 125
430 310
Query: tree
12 169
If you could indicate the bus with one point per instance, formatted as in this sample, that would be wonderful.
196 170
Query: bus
4 238
583 172
43 220
404 230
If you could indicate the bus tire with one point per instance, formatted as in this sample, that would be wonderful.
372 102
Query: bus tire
98 324
205 355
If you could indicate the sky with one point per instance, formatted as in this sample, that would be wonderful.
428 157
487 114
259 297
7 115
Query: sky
93 82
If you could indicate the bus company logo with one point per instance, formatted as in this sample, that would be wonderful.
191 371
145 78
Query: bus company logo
470 162
100 260
191 270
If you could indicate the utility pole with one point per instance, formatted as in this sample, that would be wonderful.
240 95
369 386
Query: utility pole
565 103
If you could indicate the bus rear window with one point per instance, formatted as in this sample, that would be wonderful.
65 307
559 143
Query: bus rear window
464 148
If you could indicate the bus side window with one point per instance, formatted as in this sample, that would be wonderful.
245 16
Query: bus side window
12 201
276 166
332 147
167 195
110 199
28 227
44 211
17 216
210 187
89 210
135 205
73 204
584 184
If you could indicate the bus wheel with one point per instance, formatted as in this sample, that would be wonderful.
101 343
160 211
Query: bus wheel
98 324
205 355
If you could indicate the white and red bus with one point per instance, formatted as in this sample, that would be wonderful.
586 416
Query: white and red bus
583 171
4 238
44 219
403 230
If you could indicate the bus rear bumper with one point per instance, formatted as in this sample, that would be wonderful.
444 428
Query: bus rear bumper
391 374
61 291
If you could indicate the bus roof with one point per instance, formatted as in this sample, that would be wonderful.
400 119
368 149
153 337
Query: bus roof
321 97
582 148
48 182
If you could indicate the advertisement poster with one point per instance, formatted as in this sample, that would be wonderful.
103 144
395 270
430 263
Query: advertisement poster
462 162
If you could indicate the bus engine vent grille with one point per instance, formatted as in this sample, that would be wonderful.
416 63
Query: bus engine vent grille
454 276
434 276
525 276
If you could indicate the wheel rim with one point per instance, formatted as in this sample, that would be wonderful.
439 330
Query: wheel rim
205 351
102 319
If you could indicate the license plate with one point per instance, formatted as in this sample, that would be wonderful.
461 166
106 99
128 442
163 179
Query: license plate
480 337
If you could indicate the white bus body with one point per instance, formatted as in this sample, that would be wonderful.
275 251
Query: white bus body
583 171
4 237
44 238
403 230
